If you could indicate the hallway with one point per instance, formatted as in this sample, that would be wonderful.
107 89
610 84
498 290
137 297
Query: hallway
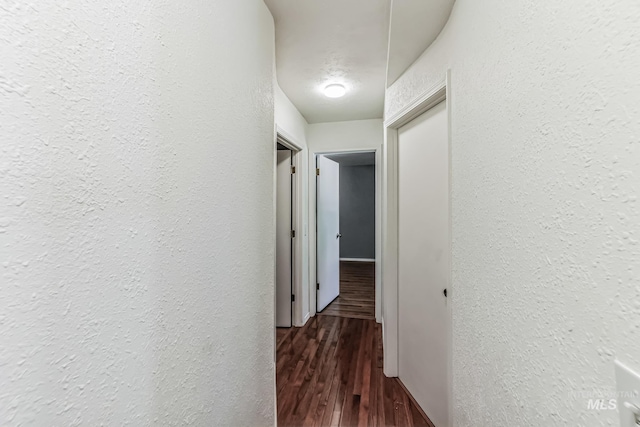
139 224
329 373
357 291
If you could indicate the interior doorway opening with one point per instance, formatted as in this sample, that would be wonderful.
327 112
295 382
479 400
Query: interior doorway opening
287 225
346 234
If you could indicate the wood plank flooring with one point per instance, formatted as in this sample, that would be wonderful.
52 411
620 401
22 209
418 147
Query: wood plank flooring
329 373
357 291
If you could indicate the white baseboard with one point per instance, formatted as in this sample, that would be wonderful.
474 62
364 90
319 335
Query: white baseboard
306 318
358 259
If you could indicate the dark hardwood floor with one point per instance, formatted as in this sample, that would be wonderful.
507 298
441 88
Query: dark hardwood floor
329 373
357 291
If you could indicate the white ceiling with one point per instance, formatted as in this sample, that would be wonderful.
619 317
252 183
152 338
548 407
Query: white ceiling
354 159
332 41
319 42
415 25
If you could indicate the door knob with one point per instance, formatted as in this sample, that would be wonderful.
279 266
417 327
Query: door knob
445 292
338 236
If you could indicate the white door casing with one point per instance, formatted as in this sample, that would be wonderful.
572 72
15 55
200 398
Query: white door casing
283 239
423 261
328 237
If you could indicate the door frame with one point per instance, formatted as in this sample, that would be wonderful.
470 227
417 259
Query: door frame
439 92
296 222
313 225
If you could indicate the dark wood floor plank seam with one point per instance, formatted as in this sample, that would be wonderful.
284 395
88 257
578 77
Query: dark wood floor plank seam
350 396
318 365
357 292
330 372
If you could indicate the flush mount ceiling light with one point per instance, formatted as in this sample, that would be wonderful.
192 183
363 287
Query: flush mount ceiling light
334 91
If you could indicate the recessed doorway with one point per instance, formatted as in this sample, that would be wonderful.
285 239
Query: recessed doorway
287 255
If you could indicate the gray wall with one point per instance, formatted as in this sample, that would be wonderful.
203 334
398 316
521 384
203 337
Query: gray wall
357 211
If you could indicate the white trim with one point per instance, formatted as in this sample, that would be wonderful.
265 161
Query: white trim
419 105
288 141
358 259
390 309
305 319
344 151
450 290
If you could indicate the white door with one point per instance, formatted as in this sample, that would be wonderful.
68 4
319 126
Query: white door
283 239
423 261
328 222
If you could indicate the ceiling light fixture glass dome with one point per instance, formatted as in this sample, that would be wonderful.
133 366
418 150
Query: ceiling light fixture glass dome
334 90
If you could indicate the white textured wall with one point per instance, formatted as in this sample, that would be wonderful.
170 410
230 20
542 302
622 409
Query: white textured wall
137 251
289 120
347 135
351 135
546 157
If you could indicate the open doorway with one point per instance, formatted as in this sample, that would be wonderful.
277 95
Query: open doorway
287 257
346 234
284 236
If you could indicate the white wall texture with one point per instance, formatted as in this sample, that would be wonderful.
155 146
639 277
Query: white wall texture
545 157
126 219
335 137
289 120
347 135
